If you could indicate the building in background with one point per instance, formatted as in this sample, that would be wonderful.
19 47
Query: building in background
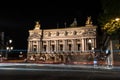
2 45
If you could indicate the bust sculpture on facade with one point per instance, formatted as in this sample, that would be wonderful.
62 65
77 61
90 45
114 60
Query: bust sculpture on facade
74 24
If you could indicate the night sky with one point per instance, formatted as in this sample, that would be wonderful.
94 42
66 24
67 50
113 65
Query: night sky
16 21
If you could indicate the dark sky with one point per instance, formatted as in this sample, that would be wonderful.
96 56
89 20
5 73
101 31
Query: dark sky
17 20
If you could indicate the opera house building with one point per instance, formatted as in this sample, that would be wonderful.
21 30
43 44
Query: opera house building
73 39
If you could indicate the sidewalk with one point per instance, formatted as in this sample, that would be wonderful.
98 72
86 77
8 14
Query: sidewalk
12 61
51 62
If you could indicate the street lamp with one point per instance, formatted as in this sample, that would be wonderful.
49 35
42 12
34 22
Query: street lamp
9 47
21 55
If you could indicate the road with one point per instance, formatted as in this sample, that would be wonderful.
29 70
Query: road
27 71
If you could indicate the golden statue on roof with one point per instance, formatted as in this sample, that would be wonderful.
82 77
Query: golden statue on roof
37 26
89 22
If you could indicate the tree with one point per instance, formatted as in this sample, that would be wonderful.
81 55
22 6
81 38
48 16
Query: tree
109 22
109 17
110 9
112 27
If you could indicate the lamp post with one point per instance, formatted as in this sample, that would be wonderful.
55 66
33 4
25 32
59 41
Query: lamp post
9 47
20 55
94 58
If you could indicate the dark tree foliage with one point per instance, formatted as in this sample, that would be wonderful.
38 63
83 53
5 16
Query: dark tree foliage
110 10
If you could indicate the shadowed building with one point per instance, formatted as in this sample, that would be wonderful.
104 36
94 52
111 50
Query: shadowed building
2 46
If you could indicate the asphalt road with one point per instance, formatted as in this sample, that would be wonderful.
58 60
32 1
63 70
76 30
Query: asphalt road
13 71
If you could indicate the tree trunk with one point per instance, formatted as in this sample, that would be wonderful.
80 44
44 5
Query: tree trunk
111 54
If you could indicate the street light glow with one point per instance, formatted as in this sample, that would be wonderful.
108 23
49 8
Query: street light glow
11 48
10 41
7 48
117 19
92 48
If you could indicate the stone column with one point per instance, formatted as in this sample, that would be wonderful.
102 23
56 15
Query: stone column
74 45
31 46
58 46
82 44
64 45
48 46
28 49
38 46
72 49
85 45
93 42
55 46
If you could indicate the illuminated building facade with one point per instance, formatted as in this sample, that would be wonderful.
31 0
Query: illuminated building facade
73 39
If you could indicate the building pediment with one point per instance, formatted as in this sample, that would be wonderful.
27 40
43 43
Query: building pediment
89 32
35 35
